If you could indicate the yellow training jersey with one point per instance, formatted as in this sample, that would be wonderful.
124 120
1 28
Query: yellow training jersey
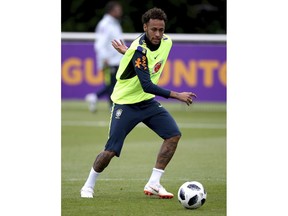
128 89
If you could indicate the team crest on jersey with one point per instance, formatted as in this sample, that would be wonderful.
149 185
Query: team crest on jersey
156 67
118 113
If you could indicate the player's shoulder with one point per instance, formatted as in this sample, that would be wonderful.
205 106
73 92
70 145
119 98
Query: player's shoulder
166 38
141 49
139 44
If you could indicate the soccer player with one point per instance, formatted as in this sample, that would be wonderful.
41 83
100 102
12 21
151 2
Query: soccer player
133 97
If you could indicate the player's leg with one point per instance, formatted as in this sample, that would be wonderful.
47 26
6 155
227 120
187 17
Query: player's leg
100 163
165 126
166 152
121 117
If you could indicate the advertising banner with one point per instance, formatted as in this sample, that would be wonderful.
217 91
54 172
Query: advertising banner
200 68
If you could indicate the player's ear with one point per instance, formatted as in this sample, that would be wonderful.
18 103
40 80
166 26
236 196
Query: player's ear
145 27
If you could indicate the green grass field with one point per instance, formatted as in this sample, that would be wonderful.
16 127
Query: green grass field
200 156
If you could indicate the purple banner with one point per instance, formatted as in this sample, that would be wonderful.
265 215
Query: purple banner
200 68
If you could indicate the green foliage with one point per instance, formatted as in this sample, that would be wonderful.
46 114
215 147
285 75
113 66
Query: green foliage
200 156
184 16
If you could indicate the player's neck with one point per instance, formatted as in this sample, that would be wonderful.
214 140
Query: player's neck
151 46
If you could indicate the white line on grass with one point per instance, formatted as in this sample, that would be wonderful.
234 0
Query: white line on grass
106 123
138 179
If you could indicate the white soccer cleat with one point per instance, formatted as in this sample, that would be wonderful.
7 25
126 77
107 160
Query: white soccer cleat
157 190
91 99
87 192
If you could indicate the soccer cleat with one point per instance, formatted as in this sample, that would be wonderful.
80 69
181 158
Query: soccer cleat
91 99
87 192
157 190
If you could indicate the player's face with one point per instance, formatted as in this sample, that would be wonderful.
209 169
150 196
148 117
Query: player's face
154 30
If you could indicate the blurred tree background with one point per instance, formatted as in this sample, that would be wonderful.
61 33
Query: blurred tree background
184 16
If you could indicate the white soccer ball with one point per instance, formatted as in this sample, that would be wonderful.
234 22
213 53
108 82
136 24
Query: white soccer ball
192 195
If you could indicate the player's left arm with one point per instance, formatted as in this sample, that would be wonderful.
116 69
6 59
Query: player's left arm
141 67
140 63
186 97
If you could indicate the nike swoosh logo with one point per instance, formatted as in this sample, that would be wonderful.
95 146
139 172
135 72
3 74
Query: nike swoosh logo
156 56
157 191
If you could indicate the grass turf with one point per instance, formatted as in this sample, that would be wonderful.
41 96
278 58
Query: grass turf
200 156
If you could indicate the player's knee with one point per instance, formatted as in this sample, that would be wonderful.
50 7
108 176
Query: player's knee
109 154
175 139
102 160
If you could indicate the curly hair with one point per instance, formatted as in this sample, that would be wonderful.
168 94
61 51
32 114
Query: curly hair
154 13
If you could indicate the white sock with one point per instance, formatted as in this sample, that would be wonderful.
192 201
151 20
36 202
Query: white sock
155 176
91 180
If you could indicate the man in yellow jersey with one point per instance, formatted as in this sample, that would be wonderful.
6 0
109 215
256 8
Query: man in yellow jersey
133 98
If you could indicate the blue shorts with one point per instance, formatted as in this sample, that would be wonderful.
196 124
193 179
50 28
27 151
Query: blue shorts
125 117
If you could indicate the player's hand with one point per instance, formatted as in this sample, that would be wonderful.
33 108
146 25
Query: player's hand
119 46
186 97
